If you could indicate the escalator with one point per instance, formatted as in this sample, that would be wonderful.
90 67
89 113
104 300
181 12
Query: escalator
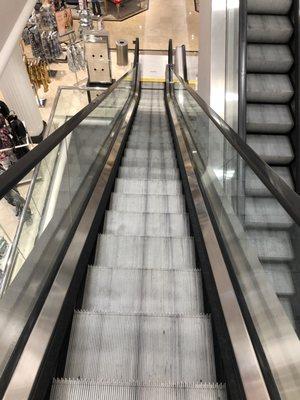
144 283
144 290
270 121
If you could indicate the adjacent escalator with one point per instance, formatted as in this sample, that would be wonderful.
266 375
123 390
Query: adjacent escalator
269 124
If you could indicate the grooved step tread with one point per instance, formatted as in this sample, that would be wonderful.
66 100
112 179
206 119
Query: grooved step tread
255 187
269 88
280 277
273 246
147 203
145 291
269 58
148 173
95 390
266 212
141 347
273 149
143 252
269 118
146 224
269 6
143 186
269 29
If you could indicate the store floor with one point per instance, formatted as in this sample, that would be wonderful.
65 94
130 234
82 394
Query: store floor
176 19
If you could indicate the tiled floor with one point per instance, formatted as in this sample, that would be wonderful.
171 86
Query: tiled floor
176 19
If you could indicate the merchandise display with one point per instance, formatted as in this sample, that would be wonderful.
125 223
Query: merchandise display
41 34
7 155
38 73
19 135
85 21
75 57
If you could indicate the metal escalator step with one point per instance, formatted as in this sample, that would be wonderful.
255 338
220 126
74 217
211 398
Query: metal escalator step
269 58
146 224
150 142
148 173
280 277
82 389
274 149
269 6
143 290
287 306
269 118
271 245
268 29
141 347
145 252
140 186
269 88
147 203
150 146
266 212
153 154
255 187
152 162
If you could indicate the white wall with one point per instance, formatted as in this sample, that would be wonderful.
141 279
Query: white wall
14 15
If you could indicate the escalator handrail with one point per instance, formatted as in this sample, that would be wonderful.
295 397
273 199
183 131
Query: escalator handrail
286 196
18 171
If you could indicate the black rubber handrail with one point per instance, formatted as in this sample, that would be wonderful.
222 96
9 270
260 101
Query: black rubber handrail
18 171
286 196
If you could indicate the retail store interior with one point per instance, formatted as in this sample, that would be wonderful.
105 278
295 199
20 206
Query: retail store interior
150 200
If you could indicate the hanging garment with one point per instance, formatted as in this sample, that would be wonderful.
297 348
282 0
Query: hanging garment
3 246
19 135
7 157
4 110
38 73
75 56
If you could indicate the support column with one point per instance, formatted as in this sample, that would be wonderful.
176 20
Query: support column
19 96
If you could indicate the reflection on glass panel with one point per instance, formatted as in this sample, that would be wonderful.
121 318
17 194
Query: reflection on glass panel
62 185
64 178
260 238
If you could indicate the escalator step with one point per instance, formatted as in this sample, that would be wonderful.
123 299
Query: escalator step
280 277
269 88
269 58
150 203
148 173
268 29
286 304
79 390
145 348
152 162
255 187
273 149
145 291
155 187
269 118
153 154
266 212
145 252
272 245
138 145
146 224
148 143
269 6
